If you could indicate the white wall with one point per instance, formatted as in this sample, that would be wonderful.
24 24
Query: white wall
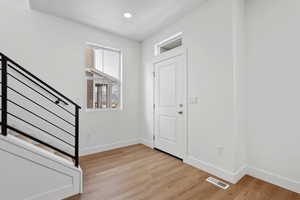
54 49
248 106
210 35
35 173
273 90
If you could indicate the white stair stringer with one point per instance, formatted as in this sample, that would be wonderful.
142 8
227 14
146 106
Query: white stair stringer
30 173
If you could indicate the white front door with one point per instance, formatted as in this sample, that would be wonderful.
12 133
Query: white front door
170 105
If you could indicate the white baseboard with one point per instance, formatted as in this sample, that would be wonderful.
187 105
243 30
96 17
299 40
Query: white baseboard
216 171
147 143
234 177
106 147
274 179
239 174
231 177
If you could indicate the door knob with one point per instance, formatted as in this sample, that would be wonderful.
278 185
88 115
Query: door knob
180 112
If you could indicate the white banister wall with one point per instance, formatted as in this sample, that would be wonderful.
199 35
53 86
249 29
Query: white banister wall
35 173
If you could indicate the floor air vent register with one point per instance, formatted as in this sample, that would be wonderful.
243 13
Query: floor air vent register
218 183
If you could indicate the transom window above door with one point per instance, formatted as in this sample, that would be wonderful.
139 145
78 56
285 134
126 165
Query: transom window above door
103 75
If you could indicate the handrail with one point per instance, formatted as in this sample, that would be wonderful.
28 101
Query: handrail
24 75
38 79
38 92
7 63
39 105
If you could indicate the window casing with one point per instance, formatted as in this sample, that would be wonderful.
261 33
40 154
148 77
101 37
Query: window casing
168 44
104 78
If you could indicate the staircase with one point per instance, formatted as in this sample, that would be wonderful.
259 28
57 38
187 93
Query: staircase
39 137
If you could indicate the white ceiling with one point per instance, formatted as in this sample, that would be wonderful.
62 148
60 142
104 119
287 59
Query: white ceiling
148 15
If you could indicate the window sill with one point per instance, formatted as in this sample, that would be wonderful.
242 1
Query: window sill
103 109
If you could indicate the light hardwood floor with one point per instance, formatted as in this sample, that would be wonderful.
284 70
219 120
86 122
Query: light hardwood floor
138 172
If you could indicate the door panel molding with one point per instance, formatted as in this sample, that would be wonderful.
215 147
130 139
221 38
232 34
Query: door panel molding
181 53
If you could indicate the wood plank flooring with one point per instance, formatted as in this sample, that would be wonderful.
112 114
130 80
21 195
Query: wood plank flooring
140 173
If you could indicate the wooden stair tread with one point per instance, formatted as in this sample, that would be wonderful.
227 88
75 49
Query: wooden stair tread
44 147
24 138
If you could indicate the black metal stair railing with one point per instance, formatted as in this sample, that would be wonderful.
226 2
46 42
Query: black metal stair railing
9 69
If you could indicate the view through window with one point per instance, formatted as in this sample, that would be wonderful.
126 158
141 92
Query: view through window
103 74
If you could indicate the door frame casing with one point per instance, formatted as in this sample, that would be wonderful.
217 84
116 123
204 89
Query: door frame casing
180 51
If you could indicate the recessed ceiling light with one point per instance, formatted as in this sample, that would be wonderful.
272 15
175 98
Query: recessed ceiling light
127 15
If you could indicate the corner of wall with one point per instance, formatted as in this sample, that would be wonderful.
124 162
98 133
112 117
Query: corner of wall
147 143
232 177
